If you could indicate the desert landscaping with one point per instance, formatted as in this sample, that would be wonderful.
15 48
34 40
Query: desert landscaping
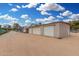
23 44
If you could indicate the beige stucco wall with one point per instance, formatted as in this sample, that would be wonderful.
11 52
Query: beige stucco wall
30 30
62 30
56 30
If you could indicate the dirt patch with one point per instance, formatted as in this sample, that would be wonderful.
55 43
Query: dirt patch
16 43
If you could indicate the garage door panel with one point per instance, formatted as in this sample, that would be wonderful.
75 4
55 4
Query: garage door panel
37 31
49 31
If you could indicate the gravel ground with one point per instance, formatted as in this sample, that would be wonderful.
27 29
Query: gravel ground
22 44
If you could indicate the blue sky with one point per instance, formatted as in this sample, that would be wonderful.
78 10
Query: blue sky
27 13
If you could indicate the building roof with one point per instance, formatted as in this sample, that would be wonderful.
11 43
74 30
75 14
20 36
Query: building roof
61 22
53 24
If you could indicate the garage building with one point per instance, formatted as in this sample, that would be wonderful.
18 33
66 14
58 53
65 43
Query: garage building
55 29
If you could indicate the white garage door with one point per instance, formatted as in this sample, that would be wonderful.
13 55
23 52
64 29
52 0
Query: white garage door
37 31
49 31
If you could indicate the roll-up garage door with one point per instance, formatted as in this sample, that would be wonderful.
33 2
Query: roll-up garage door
37 31
49 31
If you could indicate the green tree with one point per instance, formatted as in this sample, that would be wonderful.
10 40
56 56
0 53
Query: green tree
0 26
74 24
16 26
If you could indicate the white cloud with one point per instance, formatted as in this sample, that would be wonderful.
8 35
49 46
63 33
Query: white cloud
74 17
30 5
67 20
51 18
10 4
28 23
7 17
50 6
58 16
12 22
46 20
14 9
66 13
45 13
40 20
25 16
23 6
4 24
18 6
